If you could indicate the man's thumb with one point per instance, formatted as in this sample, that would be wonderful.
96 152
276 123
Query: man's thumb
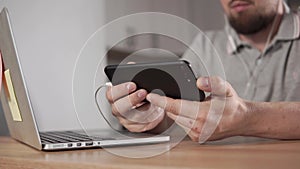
215 85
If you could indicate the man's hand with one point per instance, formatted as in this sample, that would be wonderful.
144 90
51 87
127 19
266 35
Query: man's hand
192 116
129 107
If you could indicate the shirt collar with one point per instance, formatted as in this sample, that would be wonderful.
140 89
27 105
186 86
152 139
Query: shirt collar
289 30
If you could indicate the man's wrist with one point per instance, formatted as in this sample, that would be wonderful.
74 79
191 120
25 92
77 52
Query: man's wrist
256 118
249 122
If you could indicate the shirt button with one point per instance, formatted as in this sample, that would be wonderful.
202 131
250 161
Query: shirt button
259 61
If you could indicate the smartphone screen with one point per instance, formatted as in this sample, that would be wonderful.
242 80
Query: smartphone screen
174 79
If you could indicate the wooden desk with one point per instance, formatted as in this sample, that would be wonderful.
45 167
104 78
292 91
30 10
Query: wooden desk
274 154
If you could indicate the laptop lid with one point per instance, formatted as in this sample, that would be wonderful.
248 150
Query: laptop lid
14 95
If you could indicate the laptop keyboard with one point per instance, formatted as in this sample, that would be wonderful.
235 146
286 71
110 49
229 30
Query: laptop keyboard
64 136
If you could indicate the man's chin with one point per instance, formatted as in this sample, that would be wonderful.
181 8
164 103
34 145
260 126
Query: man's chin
247 28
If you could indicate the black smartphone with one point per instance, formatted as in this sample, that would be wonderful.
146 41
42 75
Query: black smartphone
174 79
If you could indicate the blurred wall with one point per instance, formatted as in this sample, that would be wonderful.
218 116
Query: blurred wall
206 15
49 35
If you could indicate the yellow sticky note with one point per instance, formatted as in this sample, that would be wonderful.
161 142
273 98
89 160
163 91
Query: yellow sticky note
11 97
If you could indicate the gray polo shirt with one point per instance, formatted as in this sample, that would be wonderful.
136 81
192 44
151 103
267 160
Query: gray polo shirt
270 76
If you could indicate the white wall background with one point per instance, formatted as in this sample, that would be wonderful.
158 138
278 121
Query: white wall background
50 33
206 15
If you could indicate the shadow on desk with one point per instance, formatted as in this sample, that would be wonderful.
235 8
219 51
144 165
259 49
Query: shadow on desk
239 140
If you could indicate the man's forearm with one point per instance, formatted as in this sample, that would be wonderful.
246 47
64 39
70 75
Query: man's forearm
279 120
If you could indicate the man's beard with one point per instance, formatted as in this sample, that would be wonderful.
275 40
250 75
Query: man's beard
251 23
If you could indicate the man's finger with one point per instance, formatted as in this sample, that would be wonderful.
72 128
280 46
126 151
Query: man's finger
125 104
116 92
216 86
184 108
182 121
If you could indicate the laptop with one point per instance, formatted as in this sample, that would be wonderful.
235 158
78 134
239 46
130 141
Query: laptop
20 117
